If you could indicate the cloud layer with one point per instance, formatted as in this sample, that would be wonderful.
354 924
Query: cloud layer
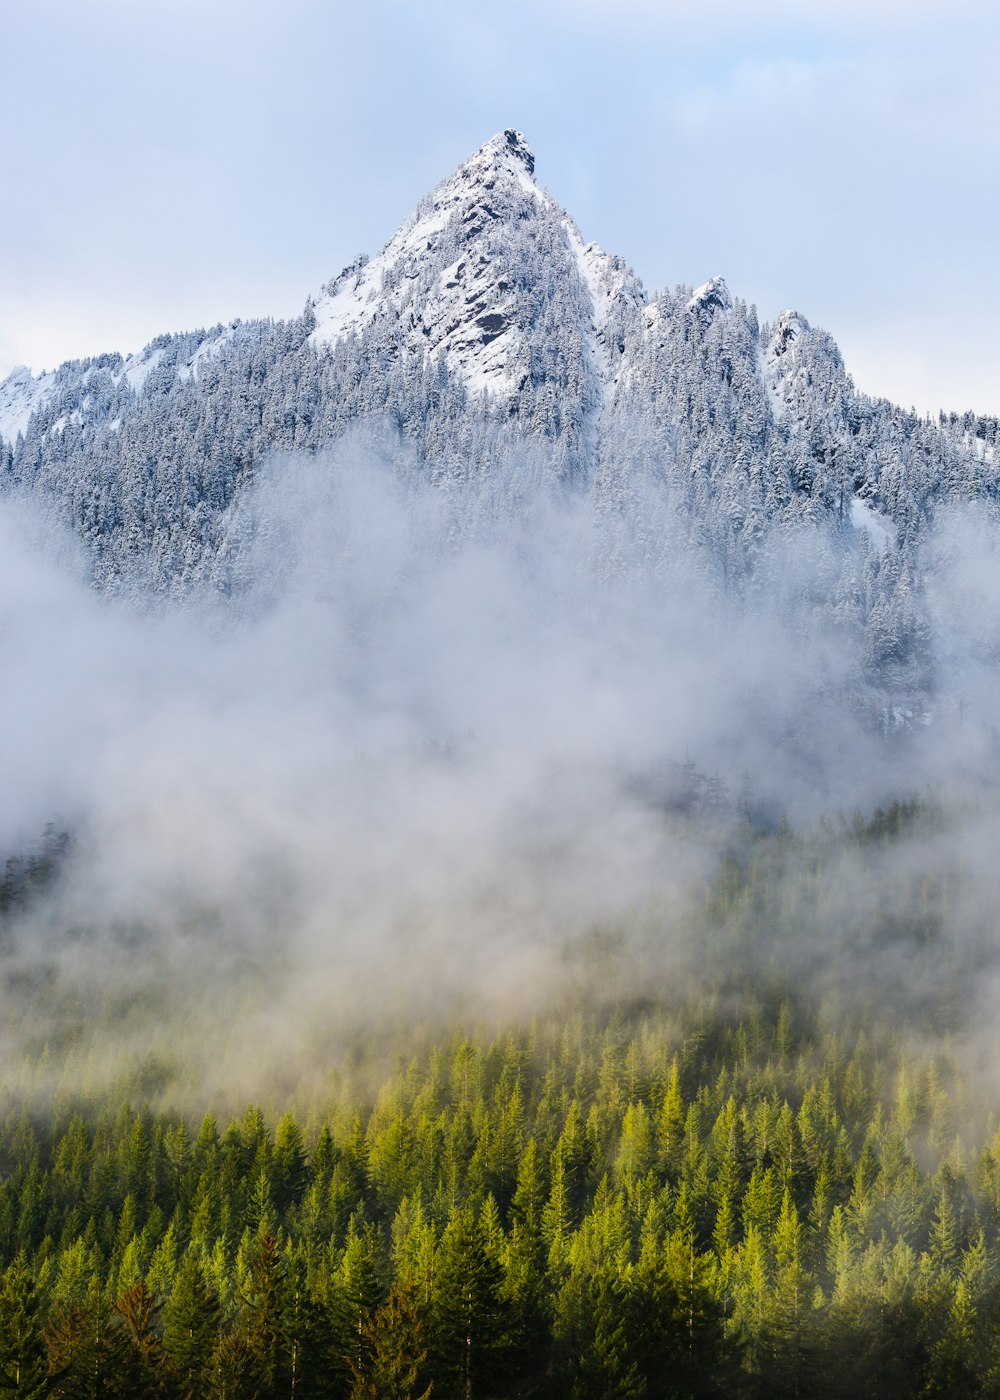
427 752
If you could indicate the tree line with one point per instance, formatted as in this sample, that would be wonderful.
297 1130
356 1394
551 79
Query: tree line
640 1205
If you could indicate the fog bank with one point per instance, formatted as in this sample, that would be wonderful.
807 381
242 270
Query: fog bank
429 745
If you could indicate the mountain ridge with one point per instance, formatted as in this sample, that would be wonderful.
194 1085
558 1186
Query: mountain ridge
358 294
485 329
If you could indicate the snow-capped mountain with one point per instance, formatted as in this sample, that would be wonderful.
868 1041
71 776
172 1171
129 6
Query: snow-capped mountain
487 324
464 280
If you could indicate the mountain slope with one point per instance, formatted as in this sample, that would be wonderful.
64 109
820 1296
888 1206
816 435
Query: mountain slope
486 328
471 278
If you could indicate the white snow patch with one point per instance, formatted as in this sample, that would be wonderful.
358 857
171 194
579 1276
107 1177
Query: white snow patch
593 265
486 371
75 418
979 447
779 366
137 369
349 303
596 272
21 395
352 300
209 349
772 386
880 528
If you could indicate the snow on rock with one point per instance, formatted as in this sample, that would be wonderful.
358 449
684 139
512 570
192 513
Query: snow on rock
210 348
21 395
341 306
441 285
383 285
457 283
790 327
136 369
709 298
779 362
606 277
609 281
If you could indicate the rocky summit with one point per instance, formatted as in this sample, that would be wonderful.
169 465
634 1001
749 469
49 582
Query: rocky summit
487 331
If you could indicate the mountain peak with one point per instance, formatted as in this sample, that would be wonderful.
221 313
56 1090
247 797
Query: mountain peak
506 158
713 296
509 145
790 326
466 279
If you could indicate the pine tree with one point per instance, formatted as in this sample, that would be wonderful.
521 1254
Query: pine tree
593 1352
466 1319
261 1320
142 1357
557 1217
525 1302
670 1129
529 1193
22 1349
289 1166
361 1290
394 1355
88 1355
232 1370
190 1328
306 1334
788 1336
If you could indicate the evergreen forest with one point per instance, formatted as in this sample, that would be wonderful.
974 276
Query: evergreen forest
389 1011
745 1184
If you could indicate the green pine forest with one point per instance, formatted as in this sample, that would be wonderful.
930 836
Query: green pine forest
747 1185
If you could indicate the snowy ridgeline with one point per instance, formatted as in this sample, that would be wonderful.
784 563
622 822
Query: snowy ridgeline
488 342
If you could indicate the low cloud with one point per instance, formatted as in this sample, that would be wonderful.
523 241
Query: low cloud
427 751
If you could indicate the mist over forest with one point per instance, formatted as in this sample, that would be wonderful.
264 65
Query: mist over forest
624 950
448 755
498 828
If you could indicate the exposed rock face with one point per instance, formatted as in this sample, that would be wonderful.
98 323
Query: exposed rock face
712 297
486 333
468 278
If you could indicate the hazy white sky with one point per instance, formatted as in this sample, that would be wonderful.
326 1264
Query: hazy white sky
173 163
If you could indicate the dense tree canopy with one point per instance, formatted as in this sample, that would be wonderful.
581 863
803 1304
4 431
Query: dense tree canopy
735 1196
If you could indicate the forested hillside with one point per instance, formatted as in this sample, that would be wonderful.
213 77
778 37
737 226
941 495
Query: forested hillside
651 1206
732 1187
417 722
486 333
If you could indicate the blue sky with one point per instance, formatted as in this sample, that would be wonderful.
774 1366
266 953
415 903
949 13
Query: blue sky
170 165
